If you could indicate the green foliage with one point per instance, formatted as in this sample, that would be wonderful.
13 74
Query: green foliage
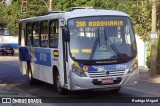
65 5
11 16
62 5
158 56
142 19
2 6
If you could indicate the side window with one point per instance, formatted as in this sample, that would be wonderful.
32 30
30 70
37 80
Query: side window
35 34
44 33
53 31
29 34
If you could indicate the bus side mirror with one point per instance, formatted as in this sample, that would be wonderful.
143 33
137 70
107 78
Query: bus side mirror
65 34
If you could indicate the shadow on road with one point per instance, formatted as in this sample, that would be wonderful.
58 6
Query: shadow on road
47 90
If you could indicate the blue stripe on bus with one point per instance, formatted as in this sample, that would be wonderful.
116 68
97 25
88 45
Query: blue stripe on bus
38 55
122 66
43 56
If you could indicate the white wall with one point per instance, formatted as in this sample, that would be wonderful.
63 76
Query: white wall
141 51
8 39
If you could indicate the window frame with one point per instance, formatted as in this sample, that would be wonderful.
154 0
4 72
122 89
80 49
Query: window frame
50 21
41 33
26 37
39 38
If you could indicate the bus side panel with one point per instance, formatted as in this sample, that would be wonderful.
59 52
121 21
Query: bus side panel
36 71
61 58
41 64
23 67
46 74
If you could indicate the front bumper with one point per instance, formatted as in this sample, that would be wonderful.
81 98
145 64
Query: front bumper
8 51
84 83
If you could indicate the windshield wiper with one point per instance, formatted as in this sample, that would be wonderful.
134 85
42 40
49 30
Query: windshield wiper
95 45
113 46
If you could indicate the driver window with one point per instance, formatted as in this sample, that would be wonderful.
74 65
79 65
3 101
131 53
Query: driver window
114 34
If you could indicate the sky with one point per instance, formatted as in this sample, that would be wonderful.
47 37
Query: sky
8 2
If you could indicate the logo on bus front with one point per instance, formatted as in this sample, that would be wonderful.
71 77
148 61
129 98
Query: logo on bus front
107 73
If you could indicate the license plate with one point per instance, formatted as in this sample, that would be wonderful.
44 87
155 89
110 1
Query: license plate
107 80
8 51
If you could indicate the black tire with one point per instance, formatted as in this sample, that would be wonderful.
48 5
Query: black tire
12 53
31 80
1 53
57 84
116 90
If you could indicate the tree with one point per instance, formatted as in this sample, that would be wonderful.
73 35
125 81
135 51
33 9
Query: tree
65 5
2 6
12 13
62 5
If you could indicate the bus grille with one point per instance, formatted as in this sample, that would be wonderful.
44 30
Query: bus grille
103 73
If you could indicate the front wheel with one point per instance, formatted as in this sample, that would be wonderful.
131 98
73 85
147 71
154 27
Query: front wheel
12 53
57 84
31 80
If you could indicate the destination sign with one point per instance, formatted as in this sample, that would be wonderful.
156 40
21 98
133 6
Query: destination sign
82 51
99 23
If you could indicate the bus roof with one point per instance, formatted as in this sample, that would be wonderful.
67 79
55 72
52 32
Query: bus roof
94 12
78 13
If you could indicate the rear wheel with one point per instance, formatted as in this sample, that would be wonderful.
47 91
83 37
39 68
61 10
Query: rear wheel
1 53
31 80
12 53
57 84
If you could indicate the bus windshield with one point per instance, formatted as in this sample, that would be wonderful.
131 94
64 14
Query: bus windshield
101 38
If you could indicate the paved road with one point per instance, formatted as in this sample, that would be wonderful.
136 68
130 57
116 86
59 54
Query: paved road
9 70
9 74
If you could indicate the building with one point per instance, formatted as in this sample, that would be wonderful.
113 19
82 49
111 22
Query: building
142 48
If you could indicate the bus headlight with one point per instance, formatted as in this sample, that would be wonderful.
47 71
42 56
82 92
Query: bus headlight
133 67
79 72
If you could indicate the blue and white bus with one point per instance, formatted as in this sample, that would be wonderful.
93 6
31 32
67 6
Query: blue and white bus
79 50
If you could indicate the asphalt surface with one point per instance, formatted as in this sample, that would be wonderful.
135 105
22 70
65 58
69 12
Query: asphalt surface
9 70
10 75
